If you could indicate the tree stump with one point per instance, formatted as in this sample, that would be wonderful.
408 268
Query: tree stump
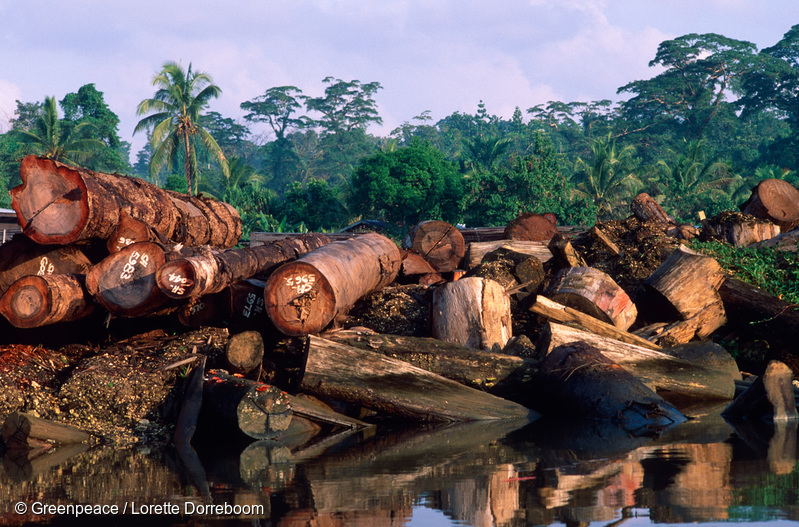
473 312
775 200
34 301
58 204
685 283
305 295
530 227
21 256
438 242
595 293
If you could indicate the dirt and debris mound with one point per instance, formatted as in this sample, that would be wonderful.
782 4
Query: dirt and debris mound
401 310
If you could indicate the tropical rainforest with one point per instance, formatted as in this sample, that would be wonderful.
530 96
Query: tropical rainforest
720 116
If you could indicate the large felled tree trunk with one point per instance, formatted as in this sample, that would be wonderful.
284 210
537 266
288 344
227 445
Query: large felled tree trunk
438 242
34 301
305 295
58 204
209 273
775 200
21 256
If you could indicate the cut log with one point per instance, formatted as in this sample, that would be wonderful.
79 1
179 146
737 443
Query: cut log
699 326
555 312
770 397
685 283
675 379
35 301
786 241
130 230
124 282
58 204
24 431
240 306
473 312
500 374
748 304
476 251
21 256
245 352
230 403
741 230
646 209
305 295
578 380
594 293
211 272
396 388
438 242
413 265
563 252
775 200
530 227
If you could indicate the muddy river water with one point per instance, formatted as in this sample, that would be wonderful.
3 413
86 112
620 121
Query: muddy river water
705 471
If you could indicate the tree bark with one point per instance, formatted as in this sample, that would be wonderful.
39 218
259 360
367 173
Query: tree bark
748 304
439 243
129 231
394 387
473 312
646 209
530 227
35 301
21 256
743 231
500 374
775 200
477 250
245 352
211 272
595 293
674 379
305 295
786 241
24 431
58 204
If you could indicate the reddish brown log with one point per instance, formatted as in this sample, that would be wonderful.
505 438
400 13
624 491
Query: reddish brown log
530 227
34 301
124 282
775 200
21 256
438 242
646 209
58 204
305 295
413 264
209 273
129 231
240 306
595 293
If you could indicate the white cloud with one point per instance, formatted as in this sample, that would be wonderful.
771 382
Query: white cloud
9 94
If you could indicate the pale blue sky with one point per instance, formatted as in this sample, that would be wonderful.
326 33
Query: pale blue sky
437 55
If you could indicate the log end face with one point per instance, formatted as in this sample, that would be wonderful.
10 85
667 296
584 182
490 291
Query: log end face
176 279
27 302
299 299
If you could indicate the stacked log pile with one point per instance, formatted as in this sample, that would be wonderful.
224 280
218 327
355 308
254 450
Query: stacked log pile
541 320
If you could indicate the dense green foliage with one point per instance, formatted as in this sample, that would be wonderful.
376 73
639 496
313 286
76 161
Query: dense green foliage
719 116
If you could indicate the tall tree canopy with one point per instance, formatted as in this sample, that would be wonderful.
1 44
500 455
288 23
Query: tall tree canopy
174 120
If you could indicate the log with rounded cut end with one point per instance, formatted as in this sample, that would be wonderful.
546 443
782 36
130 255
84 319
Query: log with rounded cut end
595 293
21 256
58 204
245 352
530 227
438 242
34 301
775 200
304 296
124 282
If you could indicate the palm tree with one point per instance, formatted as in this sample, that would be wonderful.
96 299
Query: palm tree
47 138
173 119
483 153
609 177
240 175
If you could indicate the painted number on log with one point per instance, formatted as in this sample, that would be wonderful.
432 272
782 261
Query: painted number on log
124 242
45 267
253 306
130 267
177 281
301 283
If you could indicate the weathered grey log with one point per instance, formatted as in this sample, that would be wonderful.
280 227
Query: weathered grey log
500 374
35 301
305 295
58 204
675 379
394 387
438 242
245 352
578 380
22 430
476 251
473 312
770 397
212 271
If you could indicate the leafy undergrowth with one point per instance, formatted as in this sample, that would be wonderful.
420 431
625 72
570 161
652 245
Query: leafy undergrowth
776 272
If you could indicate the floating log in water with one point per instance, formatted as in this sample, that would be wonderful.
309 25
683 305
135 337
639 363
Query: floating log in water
21 430
770 397
58 204
394 387
211 272
439 243
34 301
305 295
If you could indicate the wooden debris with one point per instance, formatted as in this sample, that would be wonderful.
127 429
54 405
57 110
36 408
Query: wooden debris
245 352
473 312
741 230
563 252
394 387
35 301
530 227
438 242
478 250
770 397
775 200
25 431
600 236
305 295
646 209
